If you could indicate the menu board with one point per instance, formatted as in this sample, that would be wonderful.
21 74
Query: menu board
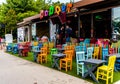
8 38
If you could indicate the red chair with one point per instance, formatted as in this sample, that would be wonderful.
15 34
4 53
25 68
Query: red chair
25 50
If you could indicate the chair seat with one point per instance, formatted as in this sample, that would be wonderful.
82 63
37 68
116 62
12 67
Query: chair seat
65 59
104 67
81 63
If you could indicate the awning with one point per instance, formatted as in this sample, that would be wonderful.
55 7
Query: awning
56 19
85 3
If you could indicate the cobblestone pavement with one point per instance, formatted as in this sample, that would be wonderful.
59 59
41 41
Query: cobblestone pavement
14 70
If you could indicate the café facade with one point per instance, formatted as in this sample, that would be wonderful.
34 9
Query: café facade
89 18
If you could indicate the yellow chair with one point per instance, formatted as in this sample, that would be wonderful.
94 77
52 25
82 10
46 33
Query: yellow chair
42 57
51 45
96 52
106 72
67 61
35 43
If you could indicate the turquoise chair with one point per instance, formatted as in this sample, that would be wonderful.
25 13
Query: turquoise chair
89 53
104 53
63 45
117 65
80 57
35 48
78 48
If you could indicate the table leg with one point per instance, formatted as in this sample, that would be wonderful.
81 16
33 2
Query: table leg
90 72
55 63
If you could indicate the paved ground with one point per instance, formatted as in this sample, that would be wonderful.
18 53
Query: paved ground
14 70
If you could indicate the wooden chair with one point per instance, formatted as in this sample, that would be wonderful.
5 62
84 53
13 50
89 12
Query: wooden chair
80 57
67 61
105 72
42 57
96 52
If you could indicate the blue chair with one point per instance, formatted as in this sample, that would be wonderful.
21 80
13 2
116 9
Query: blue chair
104 53
40 45
15 48
9 47
117 65
78 48
89 53
80 57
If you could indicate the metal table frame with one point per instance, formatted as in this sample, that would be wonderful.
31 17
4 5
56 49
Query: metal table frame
56 58
95 63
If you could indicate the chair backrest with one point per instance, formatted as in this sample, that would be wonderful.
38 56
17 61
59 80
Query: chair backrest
63 45
45 44
80 56
111 62
35 43
51 45
53 51
96 50
35 48
44 50
104 53
118 49
69 54
78 48
89 52
40 45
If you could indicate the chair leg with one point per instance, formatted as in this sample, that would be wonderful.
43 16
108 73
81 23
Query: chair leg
66 65
70 65
60 64
97 74
82 70
77 70
112 77
107 78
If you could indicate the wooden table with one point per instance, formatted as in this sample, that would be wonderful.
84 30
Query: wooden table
95 63
56 58
35 54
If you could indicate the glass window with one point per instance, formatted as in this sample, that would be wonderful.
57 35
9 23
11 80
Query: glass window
116 22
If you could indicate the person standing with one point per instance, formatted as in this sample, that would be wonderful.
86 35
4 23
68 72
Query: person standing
62 34
68 33
0 43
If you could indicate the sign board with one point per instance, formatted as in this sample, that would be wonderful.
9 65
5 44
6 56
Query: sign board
8 38
20 34
34 29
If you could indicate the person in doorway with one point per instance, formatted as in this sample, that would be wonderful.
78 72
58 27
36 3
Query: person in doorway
68 33
61 34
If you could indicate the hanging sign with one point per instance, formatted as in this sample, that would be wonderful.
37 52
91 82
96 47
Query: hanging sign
34 29
56 10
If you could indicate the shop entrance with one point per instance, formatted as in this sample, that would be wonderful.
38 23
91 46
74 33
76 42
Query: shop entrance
96 25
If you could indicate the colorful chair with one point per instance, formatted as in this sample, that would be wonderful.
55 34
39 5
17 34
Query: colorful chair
80 57
67 61
53 51
106 72
89 53
104 53
35 48
42 57
96 52
25 50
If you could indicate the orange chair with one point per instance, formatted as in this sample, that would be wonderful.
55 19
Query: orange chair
67 61
42 57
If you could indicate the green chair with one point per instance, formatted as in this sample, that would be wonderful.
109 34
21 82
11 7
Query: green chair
53 51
